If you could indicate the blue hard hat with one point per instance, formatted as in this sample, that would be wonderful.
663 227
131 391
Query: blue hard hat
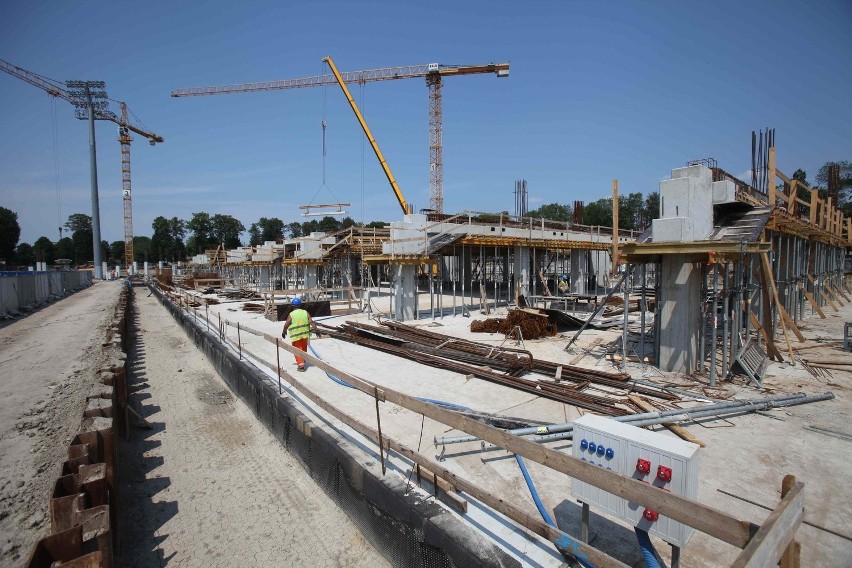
564 277
295 302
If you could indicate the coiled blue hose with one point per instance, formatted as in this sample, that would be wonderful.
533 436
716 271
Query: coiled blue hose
649 553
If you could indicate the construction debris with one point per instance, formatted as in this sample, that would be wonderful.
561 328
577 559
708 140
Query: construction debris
531 324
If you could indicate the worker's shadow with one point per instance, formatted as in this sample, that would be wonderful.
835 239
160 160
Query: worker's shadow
604 534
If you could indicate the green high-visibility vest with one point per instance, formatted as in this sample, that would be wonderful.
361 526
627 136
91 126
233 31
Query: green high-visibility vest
300 326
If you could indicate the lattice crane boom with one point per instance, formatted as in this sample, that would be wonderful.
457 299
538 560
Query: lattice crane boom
434 74
124 129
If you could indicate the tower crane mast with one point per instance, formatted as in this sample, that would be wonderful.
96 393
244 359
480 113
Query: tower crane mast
432 72
124 129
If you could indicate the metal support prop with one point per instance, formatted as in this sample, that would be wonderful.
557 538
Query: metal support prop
725 316
600 306
379 429
624 332
278 362
239 342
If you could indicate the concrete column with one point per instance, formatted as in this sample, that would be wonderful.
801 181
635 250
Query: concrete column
104 271
405 298
311 276
264 282
160 266
522 271
579 271
680 313
145 268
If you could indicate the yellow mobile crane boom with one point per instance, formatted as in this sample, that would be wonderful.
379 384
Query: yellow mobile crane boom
432 72
124 129
395 186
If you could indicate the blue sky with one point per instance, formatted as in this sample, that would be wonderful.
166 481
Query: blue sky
598 90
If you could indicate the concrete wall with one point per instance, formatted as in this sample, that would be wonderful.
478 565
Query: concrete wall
680 313
28 291
395 520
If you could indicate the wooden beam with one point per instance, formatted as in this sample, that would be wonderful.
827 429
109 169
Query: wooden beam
827 287
771 348
812 301
614 226
839 290
770 178
767 272
790 323
697 515
814 206
773 536
676 429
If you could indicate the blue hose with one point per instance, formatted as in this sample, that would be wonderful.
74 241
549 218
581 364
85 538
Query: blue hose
563 543
649 553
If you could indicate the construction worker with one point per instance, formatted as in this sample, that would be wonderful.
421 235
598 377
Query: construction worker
300 324
563 285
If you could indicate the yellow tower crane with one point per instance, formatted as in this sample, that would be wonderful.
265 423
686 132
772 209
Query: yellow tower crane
124 129
434 74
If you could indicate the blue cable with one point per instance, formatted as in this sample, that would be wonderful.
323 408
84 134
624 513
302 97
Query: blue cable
563 543
649 553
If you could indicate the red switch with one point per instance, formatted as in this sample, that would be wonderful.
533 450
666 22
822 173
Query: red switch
664 473
650 515
643 466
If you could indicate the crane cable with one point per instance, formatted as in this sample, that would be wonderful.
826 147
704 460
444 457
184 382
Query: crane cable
55 132
324 152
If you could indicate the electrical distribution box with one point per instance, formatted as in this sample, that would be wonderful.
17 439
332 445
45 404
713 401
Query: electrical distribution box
662 461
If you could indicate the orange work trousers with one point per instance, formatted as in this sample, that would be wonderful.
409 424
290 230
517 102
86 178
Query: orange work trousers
303 345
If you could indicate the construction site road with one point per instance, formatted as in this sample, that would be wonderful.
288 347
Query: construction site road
48 364
208 485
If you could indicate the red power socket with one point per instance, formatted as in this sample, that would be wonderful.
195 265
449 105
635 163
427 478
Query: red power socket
643 466
650 515
664 473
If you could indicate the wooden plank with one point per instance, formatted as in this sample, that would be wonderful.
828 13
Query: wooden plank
812 301
770 178
839 290
615 242
770 345
678 430
791 324
773 536
828 288
814 206
697 515
767 271
562 540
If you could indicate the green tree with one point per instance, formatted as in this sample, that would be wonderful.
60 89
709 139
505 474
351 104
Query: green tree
347 222
266 229
293 230
167 241
201 226
10 233
227 229
24 254
552 211
598 213
329 224
650 210
845 189
44 250
801 175
116 251
376 225
80 226
142 249
64 249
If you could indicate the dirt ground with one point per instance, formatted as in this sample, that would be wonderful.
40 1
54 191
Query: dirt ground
48 363
208 485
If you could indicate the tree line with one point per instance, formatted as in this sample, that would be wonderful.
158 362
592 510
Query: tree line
177 239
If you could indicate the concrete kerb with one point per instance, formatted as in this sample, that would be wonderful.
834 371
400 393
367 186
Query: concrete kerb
399 522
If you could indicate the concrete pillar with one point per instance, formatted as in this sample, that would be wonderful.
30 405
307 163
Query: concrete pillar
579 271
145 268
680 313
104 271
311 276
522 271
160 266
405 287
264 283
